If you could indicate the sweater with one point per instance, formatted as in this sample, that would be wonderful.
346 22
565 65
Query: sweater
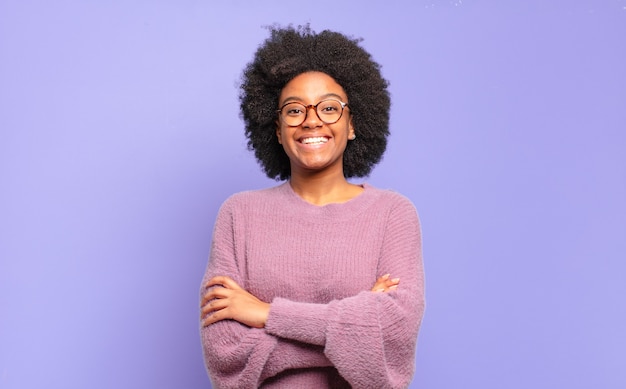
315 265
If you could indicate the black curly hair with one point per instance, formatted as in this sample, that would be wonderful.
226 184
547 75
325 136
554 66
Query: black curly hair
291 51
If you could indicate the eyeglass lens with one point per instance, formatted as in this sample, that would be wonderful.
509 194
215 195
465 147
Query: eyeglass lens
328 111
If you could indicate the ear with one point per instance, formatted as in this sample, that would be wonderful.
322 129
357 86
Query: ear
351 134
278 133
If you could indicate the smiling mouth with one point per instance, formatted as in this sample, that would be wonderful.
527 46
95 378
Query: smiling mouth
318 140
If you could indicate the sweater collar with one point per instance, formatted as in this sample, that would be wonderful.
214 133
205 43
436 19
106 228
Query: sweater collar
333 211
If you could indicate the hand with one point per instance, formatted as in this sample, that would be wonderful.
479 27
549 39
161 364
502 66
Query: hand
230 301
385 284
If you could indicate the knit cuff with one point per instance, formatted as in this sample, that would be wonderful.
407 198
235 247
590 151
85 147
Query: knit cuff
303 322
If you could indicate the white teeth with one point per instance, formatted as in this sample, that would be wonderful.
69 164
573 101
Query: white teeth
318 139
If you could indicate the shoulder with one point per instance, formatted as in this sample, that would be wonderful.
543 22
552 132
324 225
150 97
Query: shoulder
401 216
390 197
396 207
253 198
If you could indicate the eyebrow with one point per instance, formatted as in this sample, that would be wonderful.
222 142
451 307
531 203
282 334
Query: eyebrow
322 97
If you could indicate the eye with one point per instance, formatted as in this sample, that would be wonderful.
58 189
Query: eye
293 110
329 107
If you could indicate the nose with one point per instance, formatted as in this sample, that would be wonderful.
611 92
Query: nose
311 120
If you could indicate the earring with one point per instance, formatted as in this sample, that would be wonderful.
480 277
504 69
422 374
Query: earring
353 137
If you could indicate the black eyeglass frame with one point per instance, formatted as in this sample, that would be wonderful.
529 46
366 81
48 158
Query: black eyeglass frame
308 107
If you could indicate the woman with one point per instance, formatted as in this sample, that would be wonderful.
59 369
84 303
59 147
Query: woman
317 282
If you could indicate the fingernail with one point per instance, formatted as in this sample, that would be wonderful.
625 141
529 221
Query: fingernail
386 276
394 287
395 280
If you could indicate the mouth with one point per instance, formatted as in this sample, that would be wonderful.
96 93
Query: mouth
315 140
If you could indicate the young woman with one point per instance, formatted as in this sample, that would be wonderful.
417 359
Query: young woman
317 282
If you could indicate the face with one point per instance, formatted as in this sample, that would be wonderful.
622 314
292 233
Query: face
314 146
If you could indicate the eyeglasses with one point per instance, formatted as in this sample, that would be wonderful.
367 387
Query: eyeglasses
329 111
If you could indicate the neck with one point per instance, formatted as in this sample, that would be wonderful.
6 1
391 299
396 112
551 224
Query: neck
322 189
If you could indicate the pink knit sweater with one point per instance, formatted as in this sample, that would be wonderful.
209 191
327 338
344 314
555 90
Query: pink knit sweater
316 265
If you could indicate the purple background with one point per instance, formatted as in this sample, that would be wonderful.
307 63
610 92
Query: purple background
120 138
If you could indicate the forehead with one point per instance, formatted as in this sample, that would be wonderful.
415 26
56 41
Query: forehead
311 87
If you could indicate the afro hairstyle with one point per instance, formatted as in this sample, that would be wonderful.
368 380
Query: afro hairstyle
289 52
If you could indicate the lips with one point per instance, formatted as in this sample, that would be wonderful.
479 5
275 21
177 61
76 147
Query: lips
314 140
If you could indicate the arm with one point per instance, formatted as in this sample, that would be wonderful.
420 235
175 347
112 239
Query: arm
229 301
236 355
370 337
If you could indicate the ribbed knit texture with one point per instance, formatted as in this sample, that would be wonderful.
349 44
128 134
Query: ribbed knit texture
316 265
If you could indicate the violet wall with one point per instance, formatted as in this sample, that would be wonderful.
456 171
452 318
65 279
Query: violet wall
120 138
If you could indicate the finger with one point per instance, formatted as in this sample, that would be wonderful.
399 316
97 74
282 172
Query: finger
391 288
214 305
217 280
380 283
215 293
386 284
390 281
224 281
378 287
215 317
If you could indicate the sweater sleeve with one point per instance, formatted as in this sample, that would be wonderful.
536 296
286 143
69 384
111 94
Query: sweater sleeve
237 356
370 337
